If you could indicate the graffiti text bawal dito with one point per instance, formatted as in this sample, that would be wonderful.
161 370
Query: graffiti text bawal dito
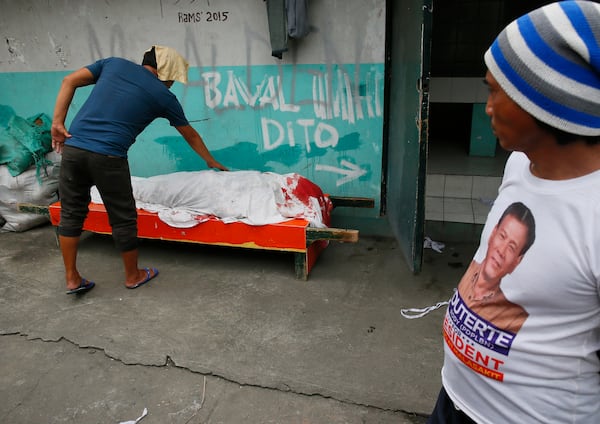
332 99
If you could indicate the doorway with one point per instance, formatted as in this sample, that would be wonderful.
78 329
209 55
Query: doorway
462 176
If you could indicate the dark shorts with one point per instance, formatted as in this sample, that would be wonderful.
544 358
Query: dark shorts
79 171
446 413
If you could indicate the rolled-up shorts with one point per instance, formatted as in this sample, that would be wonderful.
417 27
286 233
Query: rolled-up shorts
82 169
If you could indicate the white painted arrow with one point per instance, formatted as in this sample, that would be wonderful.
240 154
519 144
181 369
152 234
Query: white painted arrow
352 172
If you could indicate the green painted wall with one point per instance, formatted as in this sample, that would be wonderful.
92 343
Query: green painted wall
323 122
318 111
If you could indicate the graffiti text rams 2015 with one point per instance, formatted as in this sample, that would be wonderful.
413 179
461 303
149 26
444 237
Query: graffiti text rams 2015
198 17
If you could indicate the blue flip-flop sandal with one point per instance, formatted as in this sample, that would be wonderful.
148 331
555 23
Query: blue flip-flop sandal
84 286
149 277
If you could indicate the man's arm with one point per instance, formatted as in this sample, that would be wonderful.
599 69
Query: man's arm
70 83
196 143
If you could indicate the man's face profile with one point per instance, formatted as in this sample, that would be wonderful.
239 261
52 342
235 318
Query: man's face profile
504 248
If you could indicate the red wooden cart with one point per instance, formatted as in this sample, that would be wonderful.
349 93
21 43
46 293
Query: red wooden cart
295 236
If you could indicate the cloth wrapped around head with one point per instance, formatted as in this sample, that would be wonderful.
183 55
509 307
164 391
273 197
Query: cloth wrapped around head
169 64
548 62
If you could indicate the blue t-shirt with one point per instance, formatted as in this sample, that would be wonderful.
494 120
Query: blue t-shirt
126 98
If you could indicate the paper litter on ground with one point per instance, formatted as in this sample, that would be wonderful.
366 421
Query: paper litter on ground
138 419
434 245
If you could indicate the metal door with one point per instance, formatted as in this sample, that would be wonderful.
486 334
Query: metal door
405 158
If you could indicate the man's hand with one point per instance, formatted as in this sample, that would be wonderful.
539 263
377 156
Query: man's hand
70 83
214 164
59 135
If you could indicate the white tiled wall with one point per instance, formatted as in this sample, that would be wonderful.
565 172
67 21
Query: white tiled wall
459 198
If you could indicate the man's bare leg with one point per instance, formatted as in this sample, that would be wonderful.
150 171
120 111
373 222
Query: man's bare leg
68 248
134 275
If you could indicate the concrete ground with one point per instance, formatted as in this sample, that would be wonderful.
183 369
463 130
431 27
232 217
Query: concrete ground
222 335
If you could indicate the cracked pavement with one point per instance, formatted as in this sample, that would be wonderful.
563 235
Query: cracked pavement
222 335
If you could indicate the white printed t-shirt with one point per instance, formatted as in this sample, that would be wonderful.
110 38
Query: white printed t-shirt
547 369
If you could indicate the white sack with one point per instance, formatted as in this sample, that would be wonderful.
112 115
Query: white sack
28 188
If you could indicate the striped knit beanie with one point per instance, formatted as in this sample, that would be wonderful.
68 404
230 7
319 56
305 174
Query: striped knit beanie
548 62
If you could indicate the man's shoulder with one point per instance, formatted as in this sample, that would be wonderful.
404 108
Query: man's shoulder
121 61
114 61
110 66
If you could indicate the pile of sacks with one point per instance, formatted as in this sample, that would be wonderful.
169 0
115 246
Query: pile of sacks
28 169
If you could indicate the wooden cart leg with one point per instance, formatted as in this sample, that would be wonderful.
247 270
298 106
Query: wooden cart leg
306 260
300 260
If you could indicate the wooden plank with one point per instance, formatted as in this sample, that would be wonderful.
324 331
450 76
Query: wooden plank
337 234
354 202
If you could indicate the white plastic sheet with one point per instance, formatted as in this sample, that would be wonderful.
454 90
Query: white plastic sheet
185 199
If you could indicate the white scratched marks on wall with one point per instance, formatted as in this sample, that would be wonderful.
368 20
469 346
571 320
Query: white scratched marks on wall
208 33
339 99
15 48
60 52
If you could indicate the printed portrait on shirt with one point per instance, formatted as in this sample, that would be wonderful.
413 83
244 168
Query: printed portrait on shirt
480 288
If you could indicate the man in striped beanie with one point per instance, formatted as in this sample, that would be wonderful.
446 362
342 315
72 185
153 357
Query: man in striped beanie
548 62
544 104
